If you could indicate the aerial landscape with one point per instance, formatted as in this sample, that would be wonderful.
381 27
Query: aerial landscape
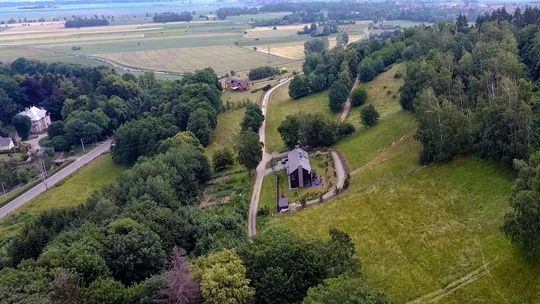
269 151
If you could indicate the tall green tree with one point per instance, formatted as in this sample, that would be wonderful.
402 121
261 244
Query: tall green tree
299 87
23 125
337 95
223 279
249 149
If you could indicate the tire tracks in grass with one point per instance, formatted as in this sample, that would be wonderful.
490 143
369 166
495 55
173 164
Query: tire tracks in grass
439 294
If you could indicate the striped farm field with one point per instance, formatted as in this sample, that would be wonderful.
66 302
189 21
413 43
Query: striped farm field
221 58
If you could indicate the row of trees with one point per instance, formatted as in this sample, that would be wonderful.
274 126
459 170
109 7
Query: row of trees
223 12
85 22
172 17
262 72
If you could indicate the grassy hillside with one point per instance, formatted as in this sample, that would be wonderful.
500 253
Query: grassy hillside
282 105
428 232
73 191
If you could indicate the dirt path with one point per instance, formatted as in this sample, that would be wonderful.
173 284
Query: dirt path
347 105
469 278
261 168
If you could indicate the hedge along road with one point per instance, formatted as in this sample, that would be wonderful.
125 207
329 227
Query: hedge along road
54 179
266 157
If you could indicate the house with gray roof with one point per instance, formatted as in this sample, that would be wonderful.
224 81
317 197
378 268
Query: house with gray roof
299 170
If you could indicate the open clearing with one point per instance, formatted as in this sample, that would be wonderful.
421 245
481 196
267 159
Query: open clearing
73 191
424 234
282 105
221 58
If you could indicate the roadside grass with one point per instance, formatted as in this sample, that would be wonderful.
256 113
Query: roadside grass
281 105
73 191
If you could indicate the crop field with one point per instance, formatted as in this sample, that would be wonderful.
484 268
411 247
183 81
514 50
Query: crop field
221 58
75 190
175 47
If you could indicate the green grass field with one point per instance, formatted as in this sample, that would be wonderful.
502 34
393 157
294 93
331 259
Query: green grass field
422 231
73 191
226 131
282 105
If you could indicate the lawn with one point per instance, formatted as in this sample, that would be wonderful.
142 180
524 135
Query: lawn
73 191
282 105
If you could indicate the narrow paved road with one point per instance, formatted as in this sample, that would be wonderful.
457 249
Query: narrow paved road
252 216
54 179
347 105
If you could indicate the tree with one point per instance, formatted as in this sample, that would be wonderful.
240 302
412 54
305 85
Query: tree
369 115
262 72
8 108
279 255
317 82
56 128
253 118
199 124
106 291
299 87
345 290
337 95
249 149
22 124
342 38
222 158
133 252
358 96
67 288
180 288
223 279
140 137
522 223
316 45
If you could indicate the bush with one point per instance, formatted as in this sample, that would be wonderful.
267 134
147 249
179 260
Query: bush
23 125
299 87
369 115
223 158
358 96
337 96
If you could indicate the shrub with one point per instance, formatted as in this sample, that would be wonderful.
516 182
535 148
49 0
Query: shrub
358 96
262 72
369 115
223 158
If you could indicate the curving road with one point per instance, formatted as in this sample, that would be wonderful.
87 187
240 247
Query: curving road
54 179
261 168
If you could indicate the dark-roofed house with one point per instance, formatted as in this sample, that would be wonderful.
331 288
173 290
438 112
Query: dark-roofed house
298 169
6 144
235 84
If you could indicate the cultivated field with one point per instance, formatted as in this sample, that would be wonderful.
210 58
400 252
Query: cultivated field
175 47
424 234
221 58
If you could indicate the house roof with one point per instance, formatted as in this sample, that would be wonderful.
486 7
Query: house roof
5 141
34 113
298 158
232 80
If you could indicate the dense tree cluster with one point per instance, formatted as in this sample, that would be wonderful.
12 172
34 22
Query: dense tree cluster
172 17
469 94
223 12
85 22
312 130
262 72
253 118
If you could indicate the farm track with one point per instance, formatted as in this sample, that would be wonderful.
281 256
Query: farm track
439 294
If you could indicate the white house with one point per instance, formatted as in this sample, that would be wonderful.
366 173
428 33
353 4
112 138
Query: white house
39 117
6 144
